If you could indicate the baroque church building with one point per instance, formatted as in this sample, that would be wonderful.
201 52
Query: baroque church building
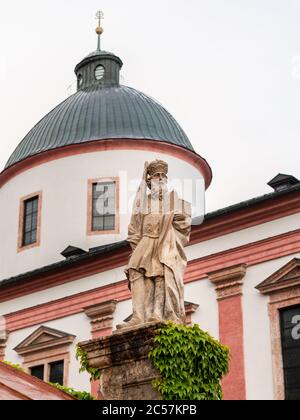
66 197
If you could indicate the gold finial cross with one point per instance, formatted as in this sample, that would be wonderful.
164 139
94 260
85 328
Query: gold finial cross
99 29
99 16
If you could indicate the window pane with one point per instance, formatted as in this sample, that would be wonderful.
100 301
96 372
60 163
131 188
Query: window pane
34 219
103 211
33 236
291 351
110 190
27 239
35 205
98 207
27 226
111 205
28 206
30 221
98 223
98 190
57 372
38 372
109 222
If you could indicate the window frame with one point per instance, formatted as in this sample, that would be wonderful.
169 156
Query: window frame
283 291
20 246
91 183
284 344
46 362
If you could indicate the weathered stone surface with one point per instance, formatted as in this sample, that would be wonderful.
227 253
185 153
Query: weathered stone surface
158 231
126 371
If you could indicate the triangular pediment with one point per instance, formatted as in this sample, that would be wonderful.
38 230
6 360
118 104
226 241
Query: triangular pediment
43 337
285 278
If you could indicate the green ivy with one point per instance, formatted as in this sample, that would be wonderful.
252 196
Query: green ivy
14 365
80 395
82 356
190 361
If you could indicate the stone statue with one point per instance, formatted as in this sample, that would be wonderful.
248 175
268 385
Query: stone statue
158 231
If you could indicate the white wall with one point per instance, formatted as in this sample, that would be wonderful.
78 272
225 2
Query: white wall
203 293
64 204
244 237
62 291
257 338
77 325
202 249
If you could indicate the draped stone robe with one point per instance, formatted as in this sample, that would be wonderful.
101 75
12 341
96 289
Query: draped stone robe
157 241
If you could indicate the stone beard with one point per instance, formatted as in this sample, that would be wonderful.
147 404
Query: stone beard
158 231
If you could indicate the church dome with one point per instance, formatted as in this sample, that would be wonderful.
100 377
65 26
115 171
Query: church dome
101 109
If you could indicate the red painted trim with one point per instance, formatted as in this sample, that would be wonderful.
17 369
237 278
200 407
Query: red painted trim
67 306
57 277
232 335
110 144
251 216
251 254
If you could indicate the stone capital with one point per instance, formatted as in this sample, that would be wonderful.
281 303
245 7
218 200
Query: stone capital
3 340
101 315
190 308
228 281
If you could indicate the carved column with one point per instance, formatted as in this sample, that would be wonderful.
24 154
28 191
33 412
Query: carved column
3 340
228 283
101 318
190 308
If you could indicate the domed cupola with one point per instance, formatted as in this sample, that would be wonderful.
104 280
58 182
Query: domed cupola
101 110
100 68
72 178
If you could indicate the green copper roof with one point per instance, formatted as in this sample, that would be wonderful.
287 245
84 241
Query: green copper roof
100 112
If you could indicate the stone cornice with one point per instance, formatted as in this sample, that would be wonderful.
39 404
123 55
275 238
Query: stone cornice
287 277
101 316
43 338
228 282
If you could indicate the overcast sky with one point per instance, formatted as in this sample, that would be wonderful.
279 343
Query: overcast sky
228 71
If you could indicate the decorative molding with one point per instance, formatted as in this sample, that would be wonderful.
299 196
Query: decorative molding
251 254
3 341
47 357
101 316
253 215
285 278
110 144
115 231
190 309
20 246
229 281
284 289
44 338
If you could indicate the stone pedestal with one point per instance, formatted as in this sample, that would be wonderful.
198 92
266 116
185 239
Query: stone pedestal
126 371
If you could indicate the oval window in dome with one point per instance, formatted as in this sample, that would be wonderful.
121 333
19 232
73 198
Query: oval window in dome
99 72
80 80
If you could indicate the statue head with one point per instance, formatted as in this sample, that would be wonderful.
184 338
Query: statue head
157 178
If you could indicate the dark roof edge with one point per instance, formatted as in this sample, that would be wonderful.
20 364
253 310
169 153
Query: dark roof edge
64 263
95 57
253 201
115 246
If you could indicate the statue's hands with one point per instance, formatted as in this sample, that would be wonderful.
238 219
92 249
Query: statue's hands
179 217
